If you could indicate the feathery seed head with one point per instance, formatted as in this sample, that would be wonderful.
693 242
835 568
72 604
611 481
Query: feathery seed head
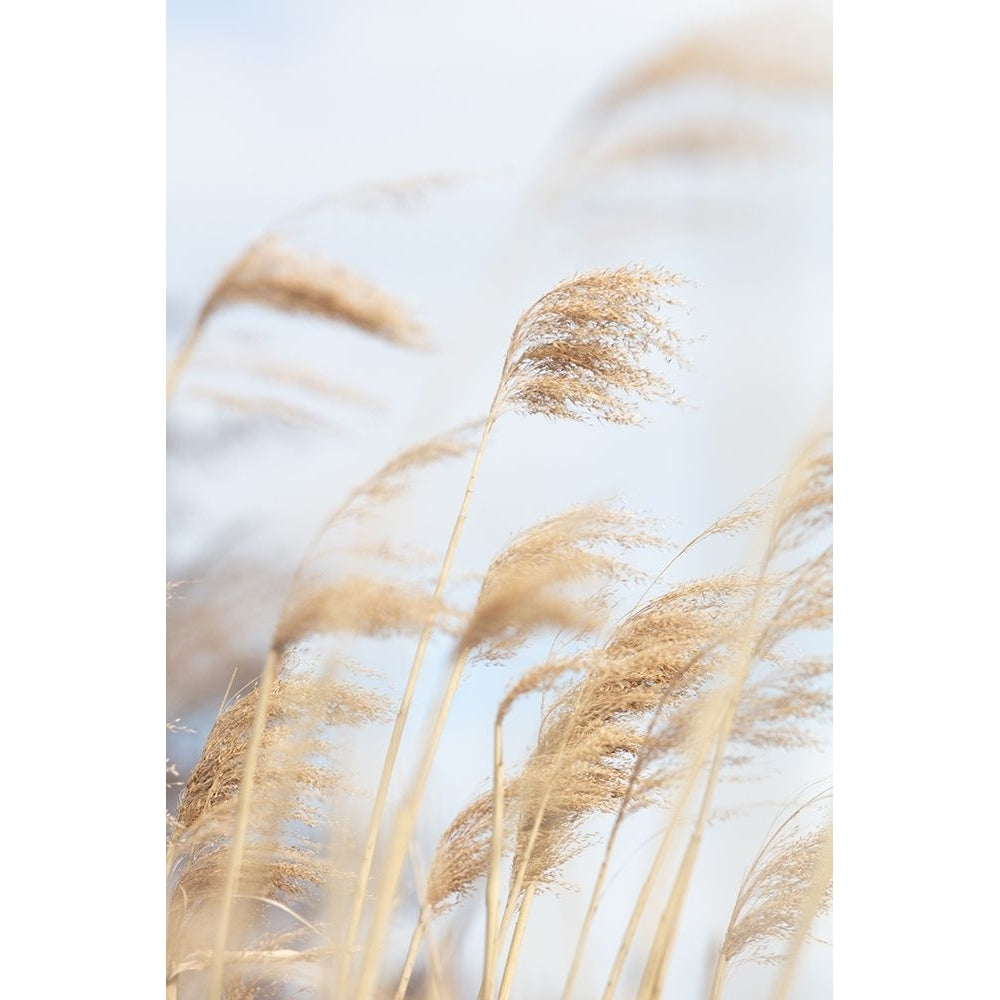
273 274
537 580
581 351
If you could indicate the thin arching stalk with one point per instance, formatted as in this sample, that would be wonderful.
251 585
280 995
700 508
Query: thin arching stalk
242 824
609 846
718 978
518 881
666 934
392 752
647 888
403 830
411 954
419 931
515 946
496 859
604 868
657 963
595 895
598 324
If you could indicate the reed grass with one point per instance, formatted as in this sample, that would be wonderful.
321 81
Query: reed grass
693 680
653 687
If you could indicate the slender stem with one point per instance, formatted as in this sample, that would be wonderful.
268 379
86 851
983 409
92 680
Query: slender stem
666 934
517 883
403 830
652 981
395 739
522 870
438 986
644 895
602 873
515 945
719 977
238 844
588 920
196 961
493 874
411 955
370 957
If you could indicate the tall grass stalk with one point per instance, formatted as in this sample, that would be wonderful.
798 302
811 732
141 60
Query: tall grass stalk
649 884
651 984
601 325
741 516
392 752
402 831
493 875
241 825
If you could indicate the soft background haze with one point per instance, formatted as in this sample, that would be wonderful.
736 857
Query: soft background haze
482 110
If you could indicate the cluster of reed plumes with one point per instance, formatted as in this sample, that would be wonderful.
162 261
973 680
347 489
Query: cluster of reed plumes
271 892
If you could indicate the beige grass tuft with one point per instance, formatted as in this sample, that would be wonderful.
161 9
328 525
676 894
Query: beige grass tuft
547 574
770 904
582 351
272 274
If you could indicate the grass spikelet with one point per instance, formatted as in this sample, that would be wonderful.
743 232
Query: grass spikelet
260 408
543 677
565 788
272 274
657 658
695 141
390 480
775 710
295 701
768 909
805 506
775 51
363 604
763 59
538 578
562 786
684 625
292 782
462 855
582 350
806 602
359 605
748 513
